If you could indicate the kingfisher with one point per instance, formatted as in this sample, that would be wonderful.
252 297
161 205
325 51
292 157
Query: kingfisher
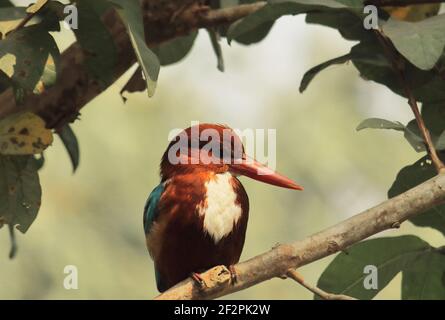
196 218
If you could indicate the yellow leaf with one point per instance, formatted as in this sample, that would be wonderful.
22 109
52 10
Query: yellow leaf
413 13
24 133
6 26
7 63
36 6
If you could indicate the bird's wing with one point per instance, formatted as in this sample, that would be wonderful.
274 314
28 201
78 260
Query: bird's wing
151 212
151 207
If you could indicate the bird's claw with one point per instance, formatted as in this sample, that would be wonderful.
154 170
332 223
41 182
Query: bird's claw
198 280
233 276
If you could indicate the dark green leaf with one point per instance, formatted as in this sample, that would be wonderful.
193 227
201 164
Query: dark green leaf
20 192
214 39
309 75
96 41
13 250
5 3
135 84
345 274
72 146
274 10
408 178
421 42
130 12
349 24
424 279
12 13
255 35
39 161
434 117
174 50
368 57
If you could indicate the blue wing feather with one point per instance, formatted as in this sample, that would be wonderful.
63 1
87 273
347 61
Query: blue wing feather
151 207
151 212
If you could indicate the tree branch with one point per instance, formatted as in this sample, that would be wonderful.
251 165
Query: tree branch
294 275
278 261
75 86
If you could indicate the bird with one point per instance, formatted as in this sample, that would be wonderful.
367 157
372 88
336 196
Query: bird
196 218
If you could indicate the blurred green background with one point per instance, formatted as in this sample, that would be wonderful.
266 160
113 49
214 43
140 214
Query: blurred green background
93 219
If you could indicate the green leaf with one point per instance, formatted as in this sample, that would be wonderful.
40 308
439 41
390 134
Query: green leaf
425 278
348 23
20 192
174 50
345 274
411 176
130 12
411 131
5 3
377 123
434 117
310 74
274 10
414 136
255 35
96 41
369 59
421 42
39 161
31 46
69 140
214 39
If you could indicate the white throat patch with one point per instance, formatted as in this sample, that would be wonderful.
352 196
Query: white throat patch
219 209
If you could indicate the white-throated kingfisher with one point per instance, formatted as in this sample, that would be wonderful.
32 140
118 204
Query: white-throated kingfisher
196 218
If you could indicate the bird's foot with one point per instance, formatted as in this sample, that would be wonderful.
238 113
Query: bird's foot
198 280
233 276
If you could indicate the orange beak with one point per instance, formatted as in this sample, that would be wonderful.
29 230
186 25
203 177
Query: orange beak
255 170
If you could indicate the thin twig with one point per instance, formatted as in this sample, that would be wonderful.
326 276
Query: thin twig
294 275
398 65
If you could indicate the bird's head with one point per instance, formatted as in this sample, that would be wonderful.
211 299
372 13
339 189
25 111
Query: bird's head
218 149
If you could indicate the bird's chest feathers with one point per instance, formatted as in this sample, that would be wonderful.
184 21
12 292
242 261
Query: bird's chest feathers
219 208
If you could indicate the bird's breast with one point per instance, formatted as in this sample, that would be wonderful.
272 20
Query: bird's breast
220 208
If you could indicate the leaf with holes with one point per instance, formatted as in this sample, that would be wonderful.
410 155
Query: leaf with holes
24 133
32 47
20 191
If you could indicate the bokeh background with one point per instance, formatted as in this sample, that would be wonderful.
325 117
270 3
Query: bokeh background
93 219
